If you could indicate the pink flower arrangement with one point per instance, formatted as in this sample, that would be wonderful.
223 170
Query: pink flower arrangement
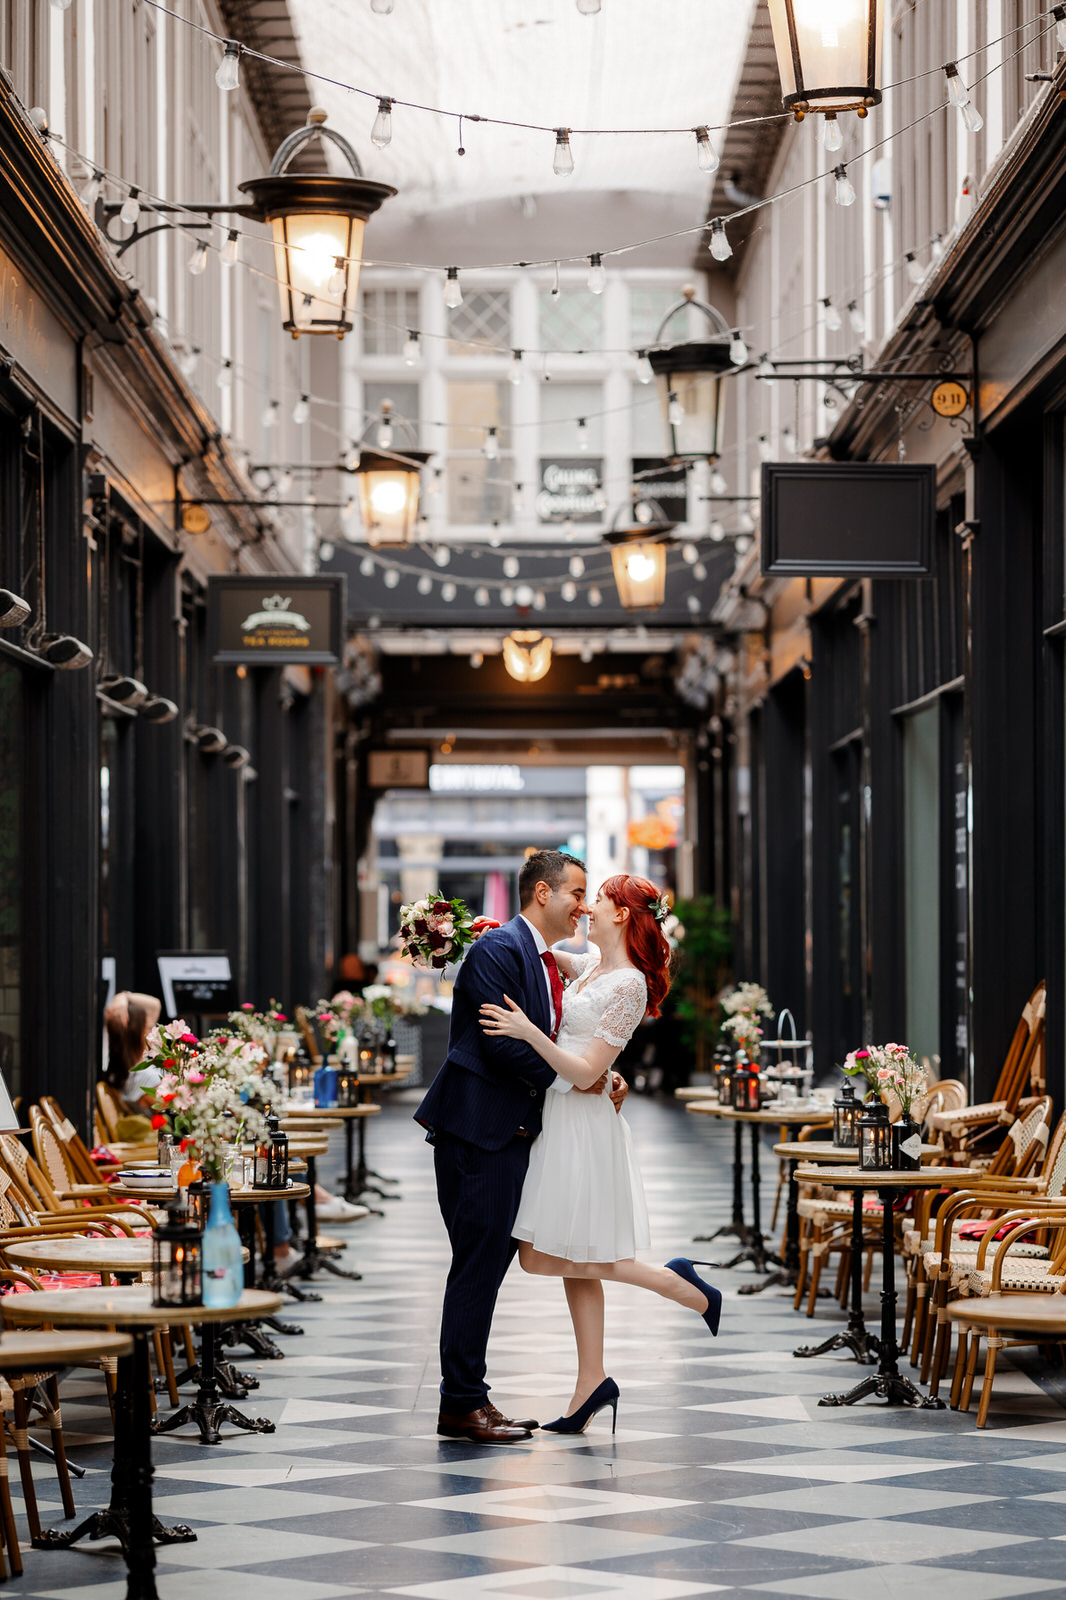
435 931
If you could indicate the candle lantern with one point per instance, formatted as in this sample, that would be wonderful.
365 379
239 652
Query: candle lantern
828 54
745 1088
847 1110
725 1082
691 379
272 1157
875 1138
197 1194
348 1088
177 1261
301 1075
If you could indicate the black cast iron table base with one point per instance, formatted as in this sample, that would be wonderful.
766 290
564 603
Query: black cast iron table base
887 1383
129 1517
856 1337
357 1184
736 1228
315 1260
209 1410
251 1334
233 1384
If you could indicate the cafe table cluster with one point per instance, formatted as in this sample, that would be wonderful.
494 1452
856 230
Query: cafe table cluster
818 1161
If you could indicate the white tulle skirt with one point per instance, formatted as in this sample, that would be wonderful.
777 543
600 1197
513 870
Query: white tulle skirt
583 1198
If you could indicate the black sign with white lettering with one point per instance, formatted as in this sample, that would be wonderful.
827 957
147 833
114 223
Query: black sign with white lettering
663 485
571 488
276 619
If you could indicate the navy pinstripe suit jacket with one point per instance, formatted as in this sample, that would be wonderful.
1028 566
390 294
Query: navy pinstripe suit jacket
490 1087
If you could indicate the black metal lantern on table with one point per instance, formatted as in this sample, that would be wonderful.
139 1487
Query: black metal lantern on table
272 1157
177 1261
847 1109
348 1088
875 1138
745 1087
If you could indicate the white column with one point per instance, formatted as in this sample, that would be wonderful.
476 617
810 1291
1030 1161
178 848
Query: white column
57 79
993 87
607 819
87 78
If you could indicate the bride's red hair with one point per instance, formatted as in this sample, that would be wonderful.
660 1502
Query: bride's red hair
646 943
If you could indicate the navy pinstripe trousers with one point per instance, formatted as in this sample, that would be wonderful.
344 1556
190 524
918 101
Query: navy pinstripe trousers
478 1192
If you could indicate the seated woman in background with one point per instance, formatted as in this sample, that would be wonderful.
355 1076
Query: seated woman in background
128 1019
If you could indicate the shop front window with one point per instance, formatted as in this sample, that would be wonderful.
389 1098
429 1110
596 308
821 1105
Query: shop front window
12 766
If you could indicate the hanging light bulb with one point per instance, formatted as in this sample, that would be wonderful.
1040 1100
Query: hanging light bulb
582 434
453 293
327 550
366 567
390 577
915 271
385 434
381 132
382 8
301 411
788 439
936 249
511 566
348 509
563 159
64 5
693 603
645 374
959 96
856 318
518 503
91 193
576 567
594 596
507 595
721 249
718 482
742 544
230 252
689 554
746 522
197 262
442 555
597 279
481 595
540 600
477 658
1059 13
675 411
515 369
412 349
568 592
845 189
225 374
738 351
699 572
269 414
524 595
285 484
188 361
588 8
832 137
706 154
717 531
766 451
491 448
338 277
425 585
352 458
832 316
228 75
131 208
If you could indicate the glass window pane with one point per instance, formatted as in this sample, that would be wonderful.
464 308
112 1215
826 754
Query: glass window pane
560 403
479 491
647 308
647 433
483 320
571 320
387 314
473 407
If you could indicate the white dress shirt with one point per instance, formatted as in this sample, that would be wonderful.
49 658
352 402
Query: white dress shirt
561 1085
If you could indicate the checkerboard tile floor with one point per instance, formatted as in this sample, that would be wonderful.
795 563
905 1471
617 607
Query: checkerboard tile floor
724 1476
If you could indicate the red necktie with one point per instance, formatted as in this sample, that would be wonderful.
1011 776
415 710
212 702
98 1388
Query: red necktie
556 986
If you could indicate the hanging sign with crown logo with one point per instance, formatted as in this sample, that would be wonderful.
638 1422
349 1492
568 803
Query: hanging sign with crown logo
274 620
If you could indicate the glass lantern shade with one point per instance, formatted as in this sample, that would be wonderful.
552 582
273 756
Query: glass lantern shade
692 396
388 496
847 1110
828 53
745 1089
639 572
875 1138
177 1262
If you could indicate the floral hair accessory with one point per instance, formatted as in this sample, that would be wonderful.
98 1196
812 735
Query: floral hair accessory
660 908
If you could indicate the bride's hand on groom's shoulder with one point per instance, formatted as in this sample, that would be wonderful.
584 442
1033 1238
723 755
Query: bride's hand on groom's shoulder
507 1021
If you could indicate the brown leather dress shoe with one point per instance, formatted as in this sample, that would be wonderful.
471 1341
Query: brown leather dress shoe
510 1422
482 1427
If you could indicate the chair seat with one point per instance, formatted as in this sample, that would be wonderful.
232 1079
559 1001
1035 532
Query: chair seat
966 1116
813 1208
964 1262
1031 1275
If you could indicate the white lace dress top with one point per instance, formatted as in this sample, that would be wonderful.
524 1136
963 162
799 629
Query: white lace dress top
583 1198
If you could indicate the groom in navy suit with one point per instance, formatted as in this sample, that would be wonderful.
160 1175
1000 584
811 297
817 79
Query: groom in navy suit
481 1112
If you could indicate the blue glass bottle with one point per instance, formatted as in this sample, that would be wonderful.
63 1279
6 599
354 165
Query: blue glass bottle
223 1266
326 1087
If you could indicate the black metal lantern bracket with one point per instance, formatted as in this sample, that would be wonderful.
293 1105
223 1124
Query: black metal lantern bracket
840 374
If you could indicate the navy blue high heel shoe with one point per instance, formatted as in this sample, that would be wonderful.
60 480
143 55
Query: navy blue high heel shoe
687 1269
605 1395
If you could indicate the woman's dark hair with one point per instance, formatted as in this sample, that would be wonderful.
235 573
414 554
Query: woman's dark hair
125 1046
646 944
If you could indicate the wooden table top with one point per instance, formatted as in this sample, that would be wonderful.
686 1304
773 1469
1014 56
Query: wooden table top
334 1113
371 1078
127 1307
36 1349
689 1093
1045 1313
238 1197
77 1254
923 1178
816 1116
821 1150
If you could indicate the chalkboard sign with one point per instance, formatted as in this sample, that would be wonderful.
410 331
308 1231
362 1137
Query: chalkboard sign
848 519
196 983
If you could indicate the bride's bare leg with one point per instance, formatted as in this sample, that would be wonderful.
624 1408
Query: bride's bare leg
584 1296
660 1280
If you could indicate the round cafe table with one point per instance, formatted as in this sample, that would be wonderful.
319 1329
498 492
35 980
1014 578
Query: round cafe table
795 1115
856 1337
354 1183
129 1517
888 1383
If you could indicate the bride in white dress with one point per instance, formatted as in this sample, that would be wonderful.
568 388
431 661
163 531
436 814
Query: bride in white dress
583 1215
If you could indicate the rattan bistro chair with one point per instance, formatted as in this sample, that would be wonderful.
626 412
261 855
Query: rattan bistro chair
977 1131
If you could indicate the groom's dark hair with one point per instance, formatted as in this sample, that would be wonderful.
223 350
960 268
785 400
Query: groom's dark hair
544 866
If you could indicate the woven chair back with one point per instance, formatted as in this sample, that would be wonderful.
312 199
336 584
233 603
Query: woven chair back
1025 1143
111 1107
82 1162
51 1152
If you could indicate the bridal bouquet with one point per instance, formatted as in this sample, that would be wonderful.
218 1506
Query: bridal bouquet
435 931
